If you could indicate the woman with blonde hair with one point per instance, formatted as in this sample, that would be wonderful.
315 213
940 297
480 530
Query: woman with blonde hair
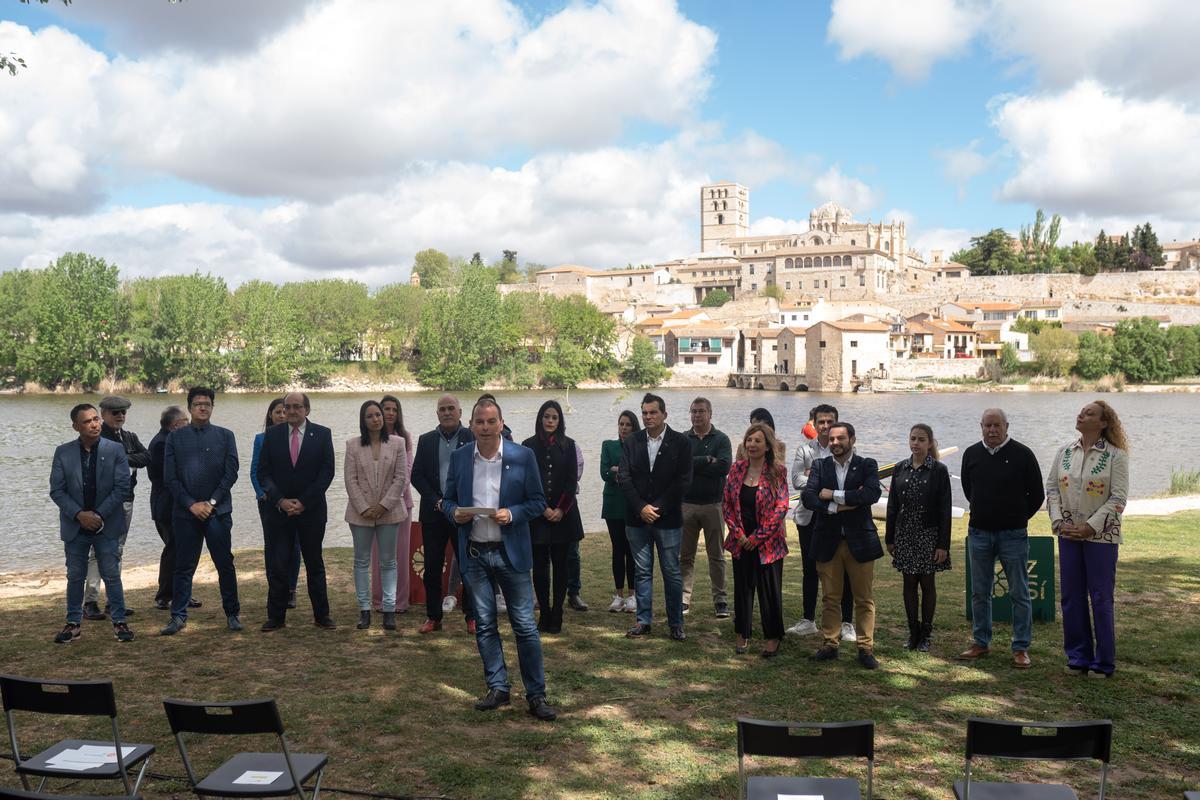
1086 489
755 505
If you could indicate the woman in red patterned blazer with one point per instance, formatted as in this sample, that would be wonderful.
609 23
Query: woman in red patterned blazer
755 506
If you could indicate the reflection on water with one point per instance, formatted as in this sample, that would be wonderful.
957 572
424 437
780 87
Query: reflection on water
1162 428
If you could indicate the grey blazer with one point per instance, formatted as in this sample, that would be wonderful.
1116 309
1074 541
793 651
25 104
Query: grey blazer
112 486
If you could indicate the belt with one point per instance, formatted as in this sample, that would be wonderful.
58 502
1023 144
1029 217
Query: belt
485 545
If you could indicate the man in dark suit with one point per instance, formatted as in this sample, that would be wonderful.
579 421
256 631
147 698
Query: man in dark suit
295 468
173 418
840 492
654 474
431 465
200 467
494 549
89 479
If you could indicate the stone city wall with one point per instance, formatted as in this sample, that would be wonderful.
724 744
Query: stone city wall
938 368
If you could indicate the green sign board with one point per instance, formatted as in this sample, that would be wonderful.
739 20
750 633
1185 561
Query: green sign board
1041 583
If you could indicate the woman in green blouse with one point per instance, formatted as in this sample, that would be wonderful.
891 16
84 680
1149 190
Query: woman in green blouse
613 512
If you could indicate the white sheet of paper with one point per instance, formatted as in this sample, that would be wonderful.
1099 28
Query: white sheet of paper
477 511
257 778
72 764
800 797
107 755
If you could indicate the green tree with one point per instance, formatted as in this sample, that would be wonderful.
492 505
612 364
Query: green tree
78 318
1140 351
1095 355
509 271
459 333
333 315
1183 342
1147 252
1010 362
1080 257
1038 243
565 365
774 290
715 299
575 320
395 315
530 270
433 267
178 325
643 368
1104 251
990 254
1055 350
266 348
16 324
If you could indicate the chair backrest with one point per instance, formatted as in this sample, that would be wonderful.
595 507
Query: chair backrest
7 793
237 717
1057 741
83 698
806 739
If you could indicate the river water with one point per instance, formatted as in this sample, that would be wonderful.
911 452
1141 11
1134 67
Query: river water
1163 431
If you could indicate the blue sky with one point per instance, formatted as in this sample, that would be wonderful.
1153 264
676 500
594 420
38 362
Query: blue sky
338 138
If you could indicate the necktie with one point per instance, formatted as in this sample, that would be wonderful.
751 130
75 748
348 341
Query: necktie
295 445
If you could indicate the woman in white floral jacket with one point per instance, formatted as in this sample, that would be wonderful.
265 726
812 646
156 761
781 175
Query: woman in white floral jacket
1086 489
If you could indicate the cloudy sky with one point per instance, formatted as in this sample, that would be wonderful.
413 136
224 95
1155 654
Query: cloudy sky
283 139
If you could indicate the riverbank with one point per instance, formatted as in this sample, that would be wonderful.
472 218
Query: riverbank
884 386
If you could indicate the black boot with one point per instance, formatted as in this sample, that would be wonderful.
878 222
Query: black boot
914 636
389 620
364 620
926 632
556 620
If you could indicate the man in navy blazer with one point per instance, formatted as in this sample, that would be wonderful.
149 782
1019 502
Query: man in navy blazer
295 468
494 548
841 490
89 479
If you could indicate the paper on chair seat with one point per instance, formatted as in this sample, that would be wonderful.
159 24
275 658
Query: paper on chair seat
88 756
257 777
800 797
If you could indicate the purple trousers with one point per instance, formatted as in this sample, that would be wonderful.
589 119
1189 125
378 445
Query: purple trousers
1088 572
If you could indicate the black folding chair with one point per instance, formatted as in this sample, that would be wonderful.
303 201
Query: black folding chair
20 794
1191 796
239 776
1041 741
804 740
72 698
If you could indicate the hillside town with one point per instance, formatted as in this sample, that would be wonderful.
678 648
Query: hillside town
849 305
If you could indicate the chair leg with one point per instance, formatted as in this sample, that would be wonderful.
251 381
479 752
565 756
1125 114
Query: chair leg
316 790
137 784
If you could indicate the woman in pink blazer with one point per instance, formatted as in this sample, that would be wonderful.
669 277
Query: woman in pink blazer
376 472
393 421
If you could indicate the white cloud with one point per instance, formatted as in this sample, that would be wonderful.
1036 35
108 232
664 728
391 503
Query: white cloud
847 191
960 165
1085 228
1090 150
948 240
909 36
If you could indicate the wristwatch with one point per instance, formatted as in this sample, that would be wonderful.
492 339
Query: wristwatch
212 502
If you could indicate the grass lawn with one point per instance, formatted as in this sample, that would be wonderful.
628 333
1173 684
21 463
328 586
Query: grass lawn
644 719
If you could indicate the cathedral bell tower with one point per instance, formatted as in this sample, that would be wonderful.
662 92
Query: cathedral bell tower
724 213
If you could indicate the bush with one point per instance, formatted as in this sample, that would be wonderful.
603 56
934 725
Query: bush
1184 481
715 299
1095 355
1055 351
642 368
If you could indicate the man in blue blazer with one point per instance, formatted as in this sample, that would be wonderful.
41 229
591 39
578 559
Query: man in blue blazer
841 490
89 479
295 468
494 548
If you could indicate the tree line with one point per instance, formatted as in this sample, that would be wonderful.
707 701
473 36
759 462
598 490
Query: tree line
77 323
1036 250
1138 351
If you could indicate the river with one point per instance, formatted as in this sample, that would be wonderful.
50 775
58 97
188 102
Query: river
1163 430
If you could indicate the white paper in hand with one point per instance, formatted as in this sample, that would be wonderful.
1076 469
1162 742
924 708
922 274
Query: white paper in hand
257 778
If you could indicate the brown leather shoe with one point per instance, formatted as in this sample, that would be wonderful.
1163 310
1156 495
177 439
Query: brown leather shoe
1021 659
973 652
429 626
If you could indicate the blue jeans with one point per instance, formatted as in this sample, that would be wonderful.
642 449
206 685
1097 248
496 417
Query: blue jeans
480 570
642 542
109 560
191 535
384 537
1012 548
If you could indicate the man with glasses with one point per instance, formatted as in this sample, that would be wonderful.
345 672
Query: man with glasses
200 466
112 414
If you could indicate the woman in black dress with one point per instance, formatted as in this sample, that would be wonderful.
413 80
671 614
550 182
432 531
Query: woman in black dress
918 529
560 524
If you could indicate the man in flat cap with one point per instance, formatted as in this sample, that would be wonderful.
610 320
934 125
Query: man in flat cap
112 413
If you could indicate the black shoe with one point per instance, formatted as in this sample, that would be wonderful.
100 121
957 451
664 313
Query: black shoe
162 605
677 633
364 620
389 620
722 610
234 623
772 653
825 654
122 632
92 611
173 627
292 599
69 633
914 636
867 660
492 700
272 625
325 622
637 631
576 603
194 603
539 708
923 642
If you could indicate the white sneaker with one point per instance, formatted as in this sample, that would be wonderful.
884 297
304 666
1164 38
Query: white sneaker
631 604
501 606
449 602
618 604
805 627
848 634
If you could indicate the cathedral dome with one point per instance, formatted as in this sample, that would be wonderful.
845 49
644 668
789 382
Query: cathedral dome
830 211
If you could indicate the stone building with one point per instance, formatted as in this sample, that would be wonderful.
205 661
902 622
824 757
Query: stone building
840 354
